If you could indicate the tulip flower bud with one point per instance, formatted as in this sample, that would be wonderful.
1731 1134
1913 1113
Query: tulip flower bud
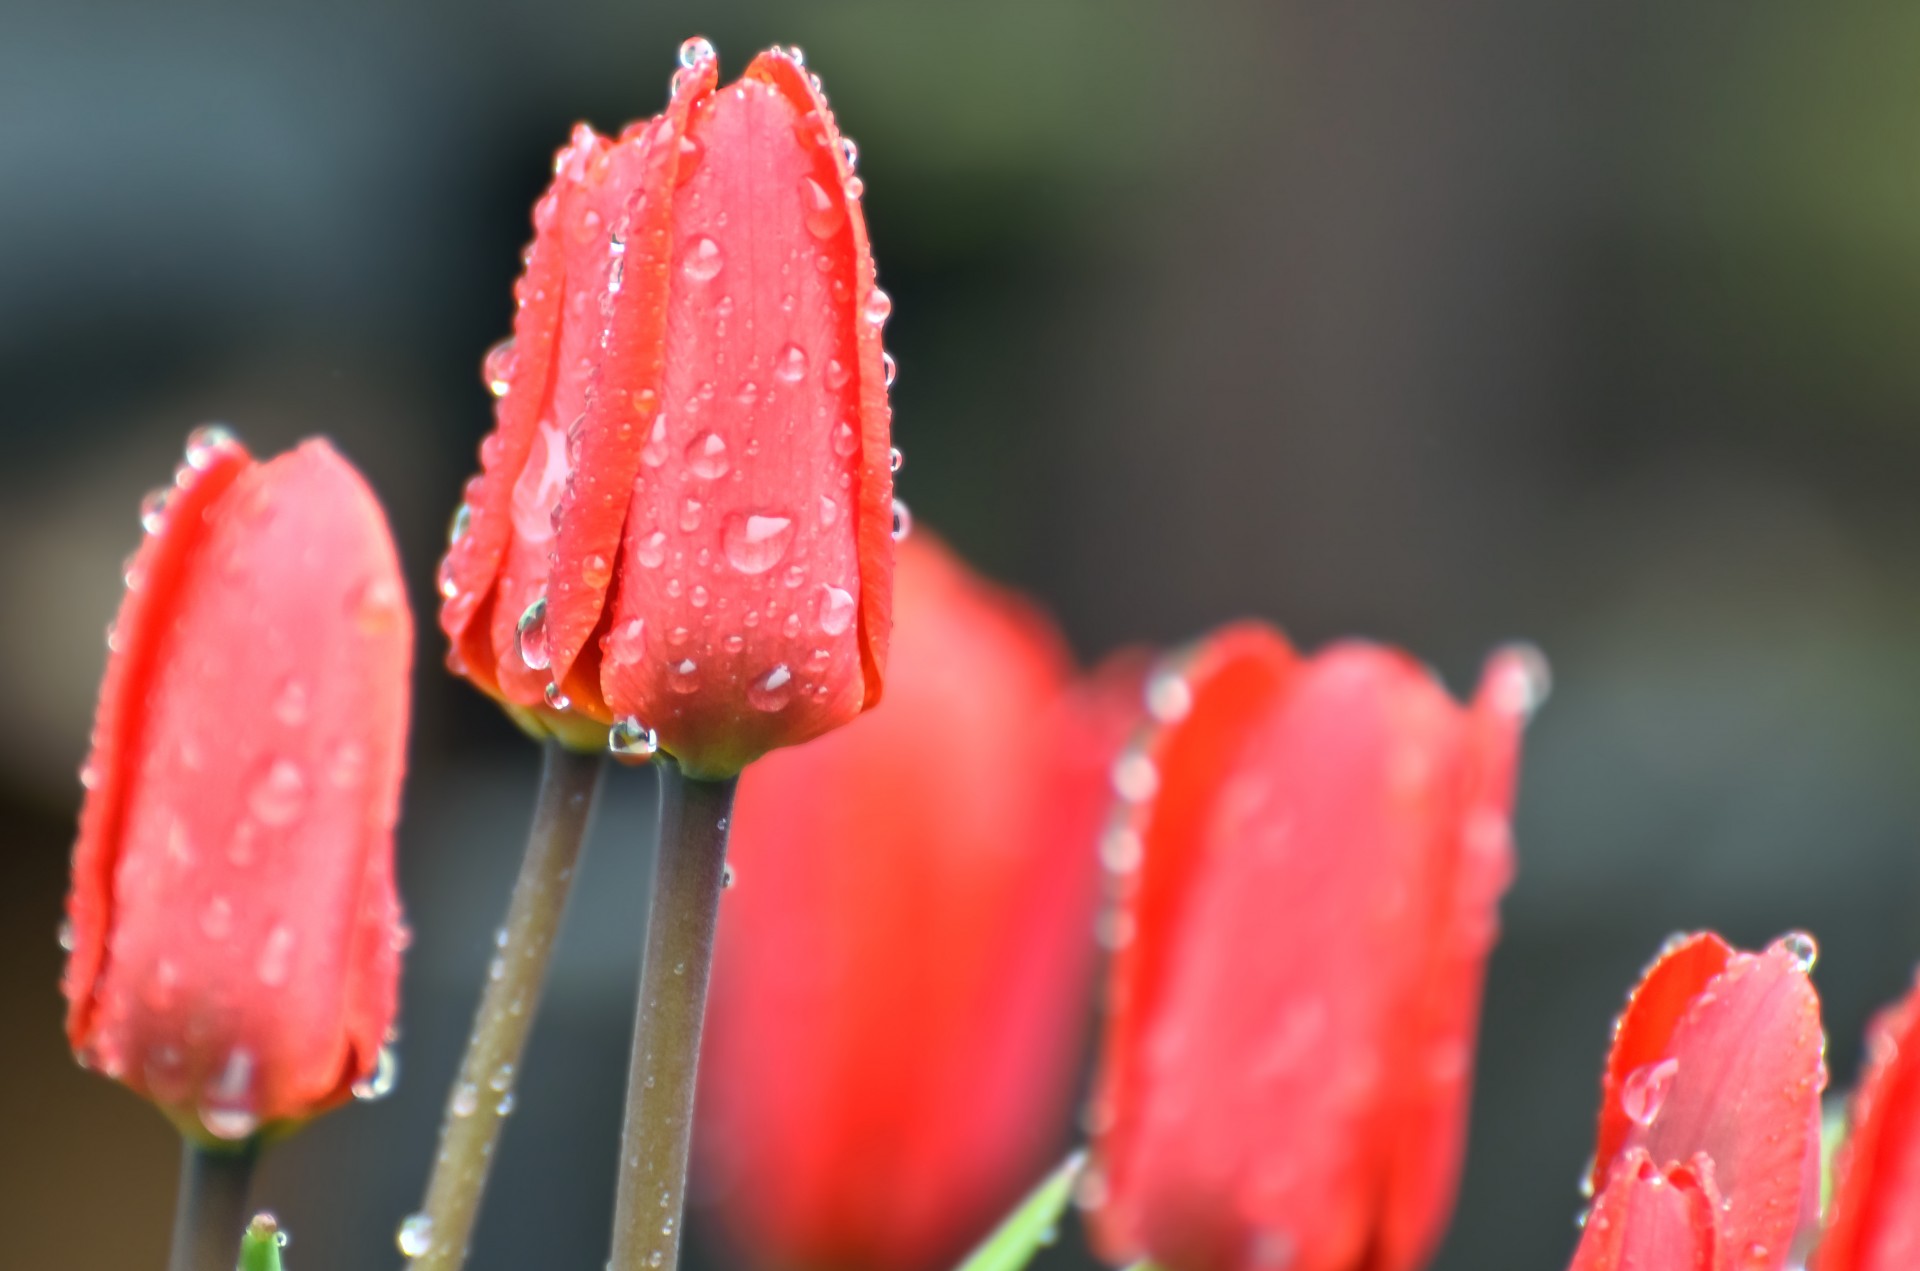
900 979
1307 860
233 931
1709 1144
683 524
1873 1223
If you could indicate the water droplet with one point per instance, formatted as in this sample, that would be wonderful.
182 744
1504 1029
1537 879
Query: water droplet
756 542
632 740
791 366
1121 850
902 521
556 699
1801 947
205 442
837 373
627 642
824 213
457 530
836 609
707 456
89 775
466 1097
226 1105
276 956
1523 680
845 439
652 551
1645 1090
65 935
1168 696
878 307
771 691
505 1106
702 260
684 676
849 152
497 367
530 636
895 460
416 1236
153 509
595 571
695 50
279 795
889 369
1135 779
379 1084
727 877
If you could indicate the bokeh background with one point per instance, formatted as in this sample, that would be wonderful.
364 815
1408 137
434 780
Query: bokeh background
1587 322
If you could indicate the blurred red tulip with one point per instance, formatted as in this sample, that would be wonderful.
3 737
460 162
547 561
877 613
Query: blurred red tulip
1709 1144
234 934
1309 857
901 978
1873 1222
683 523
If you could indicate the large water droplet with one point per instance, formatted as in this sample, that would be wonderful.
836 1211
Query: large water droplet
1802 948
631 740
791 366
824 213
379 1084
836 609
695 50
702 260
497 368
204 443
65 935
878 307
755 542
279 795
1644 1091
530 636
707 456
652 550
684 676
771 691
595 571
416 1236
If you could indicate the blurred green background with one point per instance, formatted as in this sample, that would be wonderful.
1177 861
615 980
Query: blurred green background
1590 323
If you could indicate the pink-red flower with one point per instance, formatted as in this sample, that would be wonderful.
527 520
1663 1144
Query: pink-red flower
683 523
1709 1142
234 933
902 972
1308 861
1873 1223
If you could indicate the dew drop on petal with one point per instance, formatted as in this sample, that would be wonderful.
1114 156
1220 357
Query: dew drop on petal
755 542
791 366
836 609
771 691
632 740
878 307
824 213
204 442
279 794
695 50
1644 1091
702 260
627 642
530 636
902 520
595 571
895 460
1801 947
652 550
707 456
380 1082
416 1236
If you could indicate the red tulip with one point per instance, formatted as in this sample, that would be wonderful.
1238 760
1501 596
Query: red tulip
1709 1152
234 932
1309 856
899 985
683 523
1873 1222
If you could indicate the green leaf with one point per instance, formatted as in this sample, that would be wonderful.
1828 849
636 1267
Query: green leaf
1032 1224
260 1245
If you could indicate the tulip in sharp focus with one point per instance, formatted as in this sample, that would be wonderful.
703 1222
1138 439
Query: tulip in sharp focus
1309 856
902 971
683 523
235 938
1709 1143
1873 1223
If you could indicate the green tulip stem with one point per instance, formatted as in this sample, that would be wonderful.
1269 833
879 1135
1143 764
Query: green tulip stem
689 872
211 1212
482 1093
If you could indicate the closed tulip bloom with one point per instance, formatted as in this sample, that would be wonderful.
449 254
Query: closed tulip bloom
903 968
1307 858
1709 1143
683 523
1873 1222
234 934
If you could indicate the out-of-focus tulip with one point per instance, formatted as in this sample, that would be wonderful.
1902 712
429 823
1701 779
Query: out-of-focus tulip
234 934
1873 1223
1308 858
1709 1142
683 525
902 971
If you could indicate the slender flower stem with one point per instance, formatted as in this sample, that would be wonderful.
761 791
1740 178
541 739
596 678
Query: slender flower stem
437 1237
689 870
211 1213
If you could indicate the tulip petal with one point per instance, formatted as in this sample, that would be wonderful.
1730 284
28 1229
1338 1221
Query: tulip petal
153 586
1431 1126
1643 1034
1874 1220
1647 1219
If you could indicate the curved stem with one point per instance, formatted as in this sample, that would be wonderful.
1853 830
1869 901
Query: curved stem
689 870
482 1093
211 1213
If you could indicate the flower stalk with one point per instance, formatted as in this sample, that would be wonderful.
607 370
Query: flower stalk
211 1212
689 872
482 1094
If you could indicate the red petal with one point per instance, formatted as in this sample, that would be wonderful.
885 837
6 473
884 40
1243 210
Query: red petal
1424 1172
1873 1222
146 608
1647 1220
1643 1034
